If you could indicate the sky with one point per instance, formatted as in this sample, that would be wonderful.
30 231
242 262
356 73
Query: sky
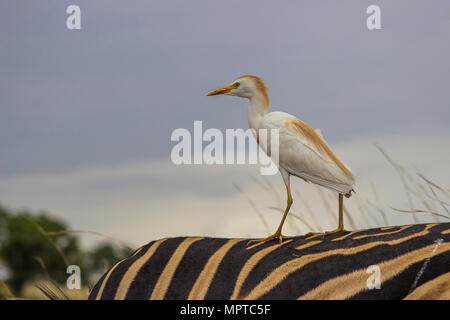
86 115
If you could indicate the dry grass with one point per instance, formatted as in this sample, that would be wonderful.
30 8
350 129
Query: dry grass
50 290
424 197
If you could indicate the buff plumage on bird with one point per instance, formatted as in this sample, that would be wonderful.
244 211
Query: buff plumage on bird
303 152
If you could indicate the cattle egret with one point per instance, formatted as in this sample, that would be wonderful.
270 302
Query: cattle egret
302 150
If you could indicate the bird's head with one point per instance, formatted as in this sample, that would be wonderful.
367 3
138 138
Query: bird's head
245 87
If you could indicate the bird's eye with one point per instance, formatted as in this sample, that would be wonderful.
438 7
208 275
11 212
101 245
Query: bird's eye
237 84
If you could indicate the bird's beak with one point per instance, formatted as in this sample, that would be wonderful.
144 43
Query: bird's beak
221 91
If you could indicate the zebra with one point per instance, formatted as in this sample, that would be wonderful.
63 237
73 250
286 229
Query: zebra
413 262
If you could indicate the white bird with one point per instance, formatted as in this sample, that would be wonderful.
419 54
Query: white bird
302 150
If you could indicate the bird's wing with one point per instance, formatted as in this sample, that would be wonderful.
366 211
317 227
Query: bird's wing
319 132
304 153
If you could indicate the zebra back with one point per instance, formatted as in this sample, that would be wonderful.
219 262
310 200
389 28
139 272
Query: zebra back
411 262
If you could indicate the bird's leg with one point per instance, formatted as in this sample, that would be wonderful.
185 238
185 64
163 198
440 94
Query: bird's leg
277 234
341 217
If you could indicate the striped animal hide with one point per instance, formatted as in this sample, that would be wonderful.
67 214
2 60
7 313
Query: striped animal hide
406 262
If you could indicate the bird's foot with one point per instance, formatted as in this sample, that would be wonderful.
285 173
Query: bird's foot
335 231
309 234
276 235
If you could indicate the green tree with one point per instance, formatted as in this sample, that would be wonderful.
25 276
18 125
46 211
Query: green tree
28 252
40 246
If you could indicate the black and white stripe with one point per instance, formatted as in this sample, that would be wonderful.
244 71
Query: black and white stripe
317 267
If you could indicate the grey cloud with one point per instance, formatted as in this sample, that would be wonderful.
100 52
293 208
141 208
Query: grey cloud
114 91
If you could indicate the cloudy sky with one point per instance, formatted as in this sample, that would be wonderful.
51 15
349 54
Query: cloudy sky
86 115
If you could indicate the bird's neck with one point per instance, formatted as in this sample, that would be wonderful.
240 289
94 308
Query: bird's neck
257 109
